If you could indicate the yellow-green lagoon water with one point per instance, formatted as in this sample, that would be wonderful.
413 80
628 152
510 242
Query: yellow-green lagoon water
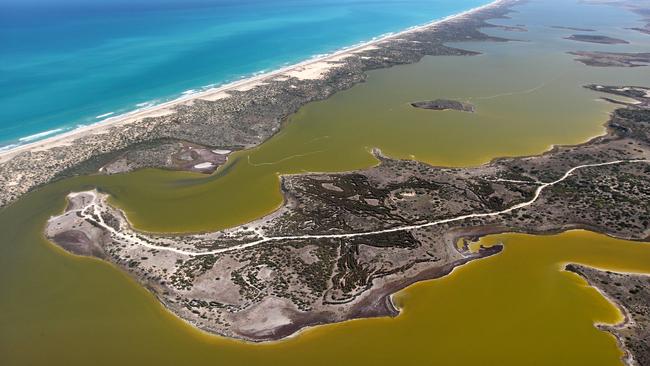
514 308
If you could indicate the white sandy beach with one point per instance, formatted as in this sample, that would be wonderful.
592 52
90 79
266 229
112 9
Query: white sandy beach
311 69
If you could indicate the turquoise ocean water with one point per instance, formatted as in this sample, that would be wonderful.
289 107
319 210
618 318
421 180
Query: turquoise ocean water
66 63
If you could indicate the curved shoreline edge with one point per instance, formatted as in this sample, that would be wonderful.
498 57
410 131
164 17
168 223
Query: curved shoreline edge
630 332
217 92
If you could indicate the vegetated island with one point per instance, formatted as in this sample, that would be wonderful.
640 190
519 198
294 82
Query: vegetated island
643 11
343 243
573 28
612 59
592 38
645 29
444 104
510 28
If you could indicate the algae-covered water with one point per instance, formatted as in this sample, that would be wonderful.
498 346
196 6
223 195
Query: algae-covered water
515 308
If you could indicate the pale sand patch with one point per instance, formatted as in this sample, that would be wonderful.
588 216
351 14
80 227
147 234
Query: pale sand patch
216 96
265 273
367 48
60 143
15 181
250 86
205 165
221 152
266 316
317 70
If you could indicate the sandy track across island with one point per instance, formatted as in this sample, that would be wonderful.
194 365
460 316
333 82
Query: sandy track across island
91 211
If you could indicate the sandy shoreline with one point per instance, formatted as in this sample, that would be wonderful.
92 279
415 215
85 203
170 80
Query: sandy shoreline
310 69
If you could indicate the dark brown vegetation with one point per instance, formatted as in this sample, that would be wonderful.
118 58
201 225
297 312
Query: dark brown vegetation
591 38
612 59
443 105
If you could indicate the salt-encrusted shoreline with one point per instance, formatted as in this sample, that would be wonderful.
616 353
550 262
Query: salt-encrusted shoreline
240 114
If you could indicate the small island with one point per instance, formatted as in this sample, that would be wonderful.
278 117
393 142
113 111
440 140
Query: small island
612 59
444 104
573 28
590 38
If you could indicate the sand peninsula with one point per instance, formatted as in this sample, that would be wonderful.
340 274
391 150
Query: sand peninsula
239 115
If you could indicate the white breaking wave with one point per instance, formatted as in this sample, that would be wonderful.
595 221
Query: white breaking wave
37 136
105 115
8 147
